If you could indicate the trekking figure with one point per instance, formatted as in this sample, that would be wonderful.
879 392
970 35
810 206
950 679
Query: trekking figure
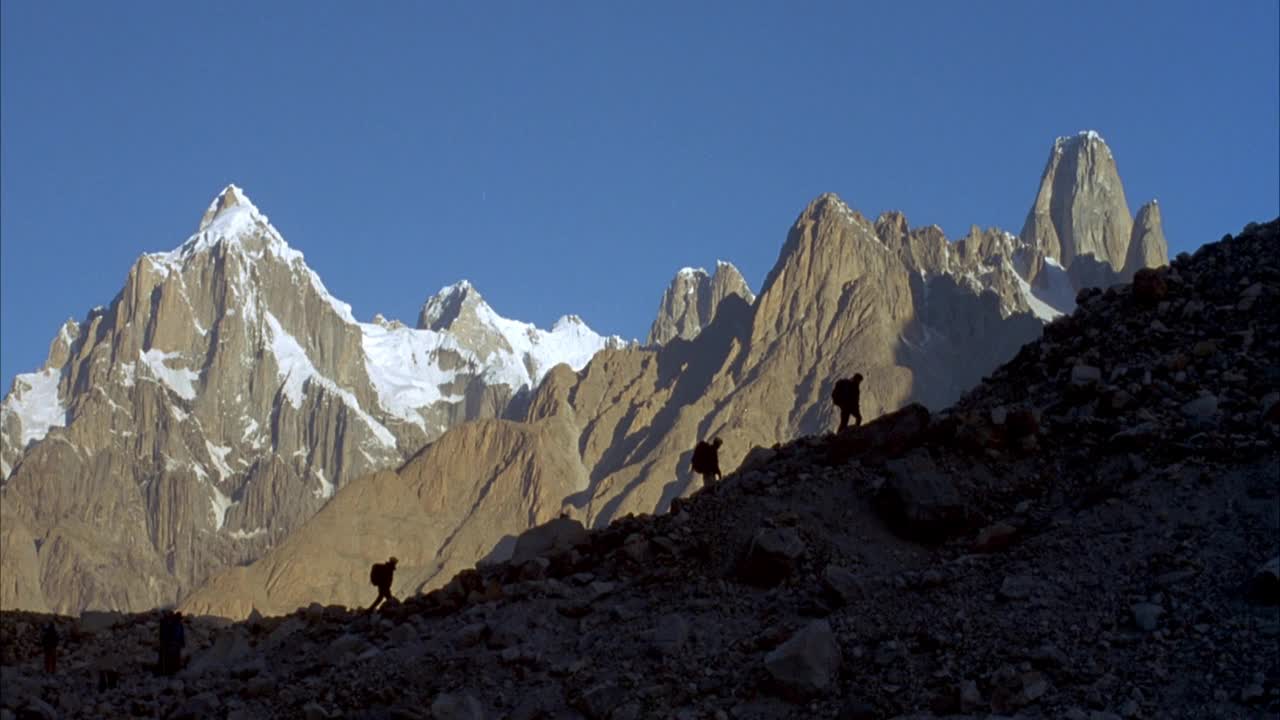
381 576
49 641
172 639
706 460
847 395
108 667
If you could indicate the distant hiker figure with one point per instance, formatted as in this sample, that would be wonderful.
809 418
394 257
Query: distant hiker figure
173 637
49 641
381 576
706 460
108 666
847 395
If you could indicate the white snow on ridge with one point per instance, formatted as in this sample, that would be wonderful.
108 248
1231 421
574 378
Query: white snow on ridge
1056 290
402 366
179 380
325 491
537 351
219 455
238 221
296 369
220 505
1039 308
35 402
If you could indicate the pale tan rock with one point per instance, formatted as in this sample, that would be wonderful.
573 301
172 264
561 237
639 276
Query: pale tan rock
690 302
1147 247
1080 208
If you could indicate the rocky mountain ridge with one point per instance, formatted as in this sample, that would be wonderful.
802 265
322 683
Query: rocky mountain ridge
1089 533
689 304
922 317
220 401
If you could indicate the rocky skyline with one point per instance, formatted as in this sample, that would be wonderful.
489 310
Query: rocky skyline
225 397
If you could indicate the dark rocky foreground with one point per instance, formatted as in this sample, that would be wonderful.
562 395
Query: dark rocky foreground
1084 535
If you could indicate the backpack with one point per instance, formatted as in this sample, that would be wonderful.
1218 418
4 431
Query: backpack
376 573
704 458
845 393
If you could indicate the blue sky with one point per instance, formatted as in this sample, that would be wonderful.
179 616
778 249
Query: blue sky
570 157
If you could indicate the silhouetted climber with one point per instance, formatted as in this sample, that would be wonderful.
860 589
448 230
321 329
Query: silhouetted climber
49 641
706 460
847 395
108 667
381 575
173 636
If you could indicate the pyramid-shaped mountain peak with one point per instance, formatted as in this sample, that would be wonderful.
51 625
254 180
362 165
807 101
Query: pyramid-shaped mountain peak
230 198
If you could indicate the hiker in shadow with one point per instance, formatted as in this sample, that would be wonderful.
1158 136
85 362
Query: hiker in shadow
847 395
381 575
706 460
49 642
173 637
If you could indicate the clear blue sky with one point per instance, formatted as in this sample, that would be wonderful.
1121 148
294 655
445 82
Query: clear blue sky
570 157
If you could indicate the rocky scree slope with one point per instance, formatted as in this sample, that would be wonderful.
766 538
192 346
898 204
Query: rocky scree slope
1099 516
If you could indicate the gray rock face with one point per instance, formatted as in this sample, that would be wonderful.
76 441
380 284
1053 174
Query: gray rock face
921 501
772 556
1081 219
690 302
1080 209
809 662
1147 245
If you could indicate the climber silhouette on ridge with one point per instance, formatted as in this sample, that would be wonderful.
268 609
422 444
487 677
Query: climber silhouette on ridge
706 460
381 575
847 395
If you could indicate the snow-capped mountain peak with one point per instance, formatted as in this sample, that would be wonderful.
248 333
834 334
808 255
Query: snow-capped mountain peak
230 197
450 304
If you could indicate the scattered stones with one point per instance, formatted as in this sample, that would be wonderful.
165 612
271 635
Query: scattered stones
994 538
1147 616
1018 587
1149 287
808 662
1085 375
842 584
671 634
772 556
457 706
921 502
1265 586
1203 407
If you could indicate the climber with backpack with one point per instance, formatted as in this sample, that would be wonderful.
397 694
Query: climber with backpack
847 396
381 575
706 460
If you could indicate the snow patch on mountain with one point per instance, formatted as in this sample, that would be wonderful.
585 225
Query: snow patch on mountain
403 366
325 491
535 351
1055 288
296 370
219 504
35 403
180 380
